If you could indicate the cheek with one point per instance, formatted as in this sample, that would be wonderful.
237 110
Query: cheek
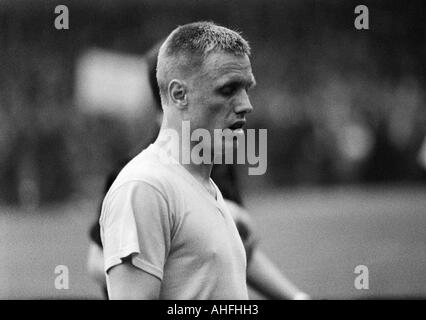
212 111
219 108
217 115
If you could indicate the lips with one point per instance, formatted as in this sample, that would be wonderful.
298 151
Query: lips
237 125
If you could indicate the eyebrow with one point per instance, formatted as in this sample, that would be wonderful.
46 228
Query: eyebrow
251 82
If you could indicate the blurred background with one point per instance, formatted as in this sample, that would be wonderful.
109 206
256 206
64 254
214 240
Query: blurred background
345 113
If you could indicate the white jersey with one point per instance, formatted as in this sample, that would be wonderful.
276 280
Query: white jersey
172 228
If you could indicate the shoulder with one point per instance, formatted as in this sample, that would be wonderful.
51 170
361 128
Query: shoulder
143 180
144 169
135 203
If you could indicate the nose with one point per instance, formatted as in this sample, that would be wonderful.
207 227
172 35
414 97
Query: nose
244 105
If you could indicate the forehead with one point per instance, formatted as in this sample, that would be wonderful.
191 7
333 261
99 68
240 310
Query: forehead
221 66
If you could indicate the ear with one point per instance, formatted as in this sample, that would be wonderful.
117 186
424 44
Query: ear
178 93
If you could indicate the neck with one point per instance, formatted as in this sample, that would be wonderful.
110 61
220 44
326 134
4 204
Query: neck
176 139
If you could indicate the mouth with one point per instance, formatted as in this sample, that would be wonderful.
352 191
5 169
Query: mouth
237 125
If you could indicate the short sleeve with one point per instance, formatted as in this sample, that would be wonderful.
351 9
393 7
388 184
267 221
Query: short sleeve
135 222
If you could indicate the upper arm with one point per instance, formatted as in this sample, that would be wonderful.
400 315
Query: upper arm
125 281
136 230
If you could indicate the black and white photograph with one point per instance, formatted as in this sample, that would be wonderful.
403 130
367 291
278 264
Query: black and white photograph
218 150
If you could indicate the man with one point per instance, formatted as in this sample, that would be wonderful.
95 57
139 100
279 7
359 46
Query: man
166 230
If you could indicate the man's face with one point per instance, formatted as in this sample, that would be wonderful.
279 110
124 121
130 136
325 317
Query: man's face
218 94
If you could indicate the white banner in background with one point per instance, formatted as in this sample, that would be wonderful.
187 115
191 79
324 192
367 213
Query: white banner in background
112 83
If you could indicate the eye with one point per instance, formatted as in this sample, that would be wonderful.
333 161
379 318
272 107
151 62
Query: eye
228 90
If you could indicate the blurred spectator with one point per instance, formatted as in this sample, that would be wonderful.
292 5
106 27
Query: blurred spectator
341 106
